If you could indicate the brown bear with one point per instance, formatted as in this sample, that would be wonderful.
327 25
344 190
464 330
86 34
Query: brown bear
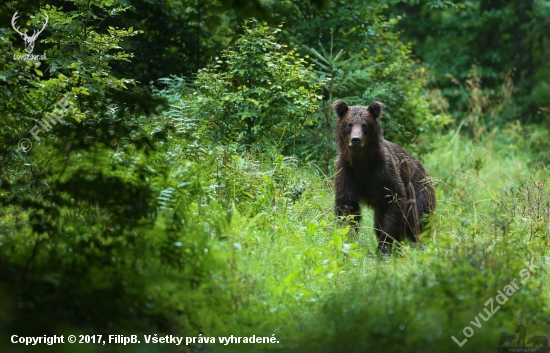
380 174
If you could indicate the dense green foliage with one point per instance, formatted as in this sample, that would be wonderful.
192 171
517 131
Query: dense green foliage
90 238
503 38
186 187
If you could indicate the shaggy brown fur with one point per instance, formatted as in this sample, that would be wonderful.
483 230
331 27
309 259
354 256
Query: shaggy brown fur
379 174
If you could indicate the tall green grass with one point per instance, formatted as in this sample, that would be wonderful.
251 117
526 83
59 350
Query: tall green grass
246 243
296 273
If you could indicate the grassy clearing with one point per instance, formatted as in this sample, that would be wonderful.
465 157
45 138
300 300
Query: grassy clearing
264 255
295 273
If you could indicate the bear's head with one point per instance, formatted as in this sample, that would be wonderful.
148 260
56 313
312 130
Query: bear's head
357 127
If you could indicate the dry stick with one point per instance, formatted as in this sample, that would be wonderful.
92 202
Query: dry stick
411 199
414 208
395 198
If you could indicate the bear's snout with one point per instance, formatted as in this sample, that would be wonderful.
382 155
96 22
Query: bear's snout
356 136
355 141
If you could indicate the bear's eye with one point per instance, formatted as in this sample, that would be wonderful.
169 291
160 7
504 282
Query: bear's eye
350 126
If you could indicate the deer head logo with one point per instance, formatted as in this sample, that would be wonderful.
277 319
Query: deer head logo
29 40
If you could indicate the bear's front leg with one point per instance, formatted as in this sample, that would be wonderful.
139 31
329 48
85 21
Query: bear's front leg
346 208
346 202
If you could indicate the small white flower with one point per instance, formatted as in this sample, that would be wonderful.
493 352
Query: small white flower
346 248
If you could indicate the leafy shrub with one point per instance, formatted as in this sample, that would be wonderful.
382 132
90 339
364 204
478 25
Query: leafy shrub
257 94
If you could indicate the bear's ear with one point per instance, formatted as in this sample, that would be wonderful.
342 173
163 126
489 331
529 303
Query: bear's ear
340 107
375 109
